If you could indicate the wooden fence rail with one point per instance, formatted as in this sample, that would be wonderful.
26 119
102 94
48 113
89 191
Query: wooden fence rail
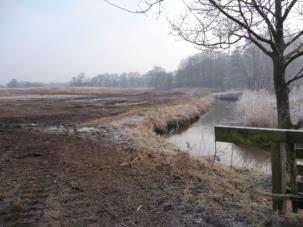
287 170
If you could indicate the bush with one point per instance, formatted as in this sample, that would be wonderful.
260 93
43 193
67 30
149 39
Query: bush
258 108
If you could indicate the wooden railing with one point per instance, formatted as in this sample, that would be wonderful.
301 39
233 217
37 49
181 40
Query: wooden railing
286 160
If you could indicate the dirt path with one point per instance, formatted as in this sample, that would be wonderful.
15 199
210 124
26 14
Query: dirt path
89 179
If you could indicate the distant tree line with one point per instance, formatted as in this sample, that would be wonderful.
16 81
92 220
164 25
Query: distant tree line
157 78
14 83
245 67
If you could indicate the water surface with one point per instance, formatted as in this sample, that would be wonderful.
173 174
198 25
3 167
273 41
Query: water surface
199 140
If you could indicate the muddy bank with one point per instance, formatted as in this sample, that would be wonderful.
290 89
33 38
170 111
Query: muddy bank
176 118
176 126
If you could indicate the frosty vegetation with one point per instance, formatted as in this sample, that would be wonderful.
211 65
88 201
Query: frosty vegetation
258 108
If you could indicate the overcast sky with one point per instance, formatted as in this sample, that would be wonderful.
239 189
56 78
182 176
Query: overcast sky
55 40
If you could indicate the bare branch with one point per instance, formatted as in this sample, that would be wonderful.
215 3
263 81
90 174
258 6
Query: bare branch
260 46
141 11
234 19
287 11
293 56
294 79
264 16
298 76
295 38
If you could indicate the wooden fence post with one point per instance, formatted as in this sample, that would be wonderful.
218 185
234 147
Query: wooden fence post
292 169
278 161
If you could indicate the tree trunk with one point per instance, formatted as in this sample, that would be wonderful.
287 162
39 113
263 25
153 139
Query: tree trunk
282 94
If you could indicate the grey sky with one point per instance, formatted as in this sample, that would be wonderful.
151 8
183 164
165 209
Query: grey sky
55 40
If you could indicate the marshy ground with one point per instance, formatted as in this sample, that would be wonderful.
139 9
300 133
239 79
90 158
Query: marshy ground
91 157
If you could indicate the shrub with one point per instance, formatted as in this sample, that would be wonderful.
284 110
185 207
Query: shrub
258 108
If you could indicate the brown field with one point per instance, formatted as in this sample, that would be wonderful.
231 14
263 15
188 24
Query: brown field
91 157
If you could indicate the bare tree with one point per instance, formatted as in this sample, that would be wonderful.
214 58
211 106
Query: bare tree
159 78
257 67
272 25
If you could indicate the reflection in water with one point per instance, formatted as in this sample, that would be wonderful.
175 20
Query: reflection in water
199 140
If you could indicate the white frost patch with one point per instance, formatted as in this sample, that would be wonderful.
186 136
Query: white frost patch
91 130
58 129
83 130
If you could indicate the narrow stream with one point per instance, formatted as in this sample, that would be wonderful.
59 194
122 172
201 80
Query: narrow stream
199 140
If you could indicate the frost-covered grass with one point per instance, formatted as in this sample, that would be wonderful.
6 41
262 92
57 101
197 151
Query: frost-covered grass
227 95
258 108
296 103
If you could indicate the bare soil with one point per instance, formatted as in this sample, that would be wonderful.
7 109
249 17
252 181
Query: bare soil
89 179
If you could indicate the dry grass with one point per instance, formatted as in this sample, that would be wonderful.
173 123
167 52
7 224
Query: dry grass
54 91
171 117
289 220
221 188
75 90
139 126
